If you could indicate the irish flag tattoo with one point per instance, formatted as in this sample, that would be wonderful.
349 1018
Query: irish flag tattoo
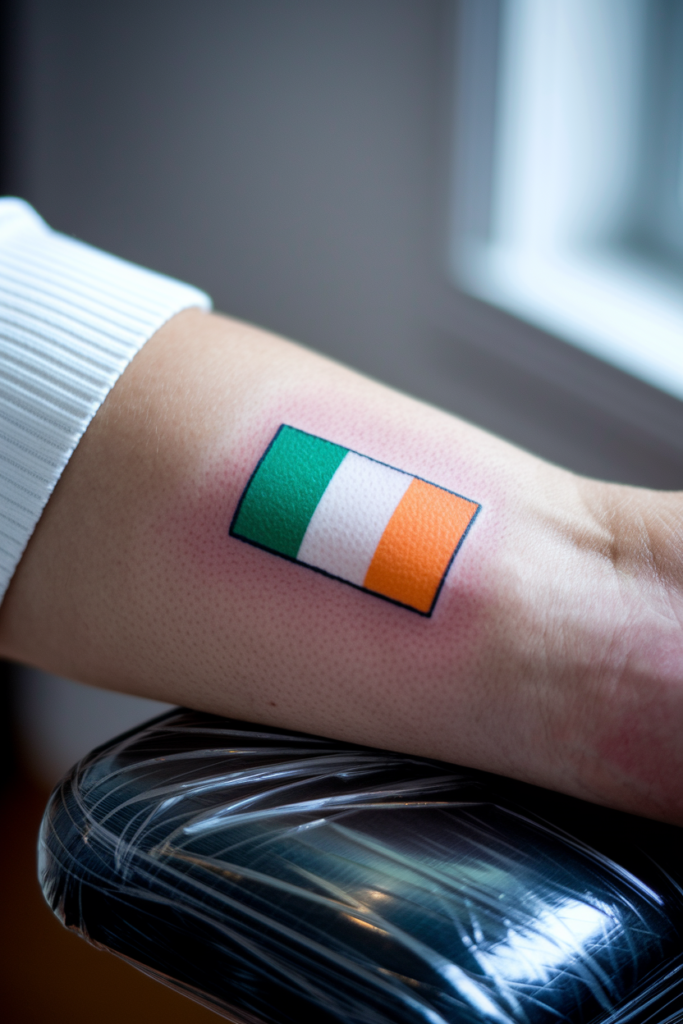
353 518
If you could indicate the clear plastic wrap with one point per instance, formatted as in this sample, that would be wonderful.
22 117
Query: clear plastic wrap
279 877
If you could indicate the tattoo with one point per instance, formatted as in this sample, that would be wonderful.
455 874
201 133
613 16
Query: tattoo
353 518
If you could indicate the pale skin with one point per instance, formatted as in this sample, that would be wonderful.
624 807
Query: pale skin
554 653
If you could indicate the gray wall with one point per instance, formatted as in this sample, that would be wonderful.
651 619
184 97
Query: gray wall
294 159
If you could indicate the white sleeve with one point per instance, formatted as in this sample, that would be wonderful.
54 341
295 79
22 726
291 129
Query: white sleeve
71 319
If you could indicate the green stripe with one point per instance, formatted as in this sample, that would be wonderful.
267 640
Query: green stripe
285 490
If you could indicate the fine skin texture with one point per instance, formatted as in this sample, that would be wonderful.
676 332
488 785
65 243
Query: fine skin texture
555 651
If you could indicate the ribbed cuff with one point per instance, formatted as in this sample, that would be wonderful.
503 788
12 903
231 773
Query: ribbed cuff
71 319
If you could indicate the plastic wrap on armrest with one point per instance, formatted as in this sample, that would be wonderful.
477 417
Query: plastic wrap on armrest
279 877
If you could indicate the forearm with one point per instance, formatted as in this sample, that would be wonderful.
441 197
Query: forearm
133 582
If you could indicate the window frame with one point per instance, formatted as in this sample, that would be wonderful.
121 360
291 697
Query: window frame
614 288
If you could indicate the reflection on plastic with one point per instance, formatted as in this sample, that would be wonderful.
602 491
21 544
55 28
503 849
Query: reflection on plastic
279 877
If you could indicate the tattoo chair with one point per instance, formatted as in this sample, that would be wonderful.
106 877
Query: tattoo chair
278 877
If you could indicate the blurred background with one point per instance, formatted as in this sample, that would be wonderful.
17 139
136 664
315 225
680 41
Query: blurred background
479 202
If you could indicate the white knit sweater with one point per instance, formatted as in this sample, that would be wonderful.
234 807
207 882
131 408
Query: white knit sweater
71 319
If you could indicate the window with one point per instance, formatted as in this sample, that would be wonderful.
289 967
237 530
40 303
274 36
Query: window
569 173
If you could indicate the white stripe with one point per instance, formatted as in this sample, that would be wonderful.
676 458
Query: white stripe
351 517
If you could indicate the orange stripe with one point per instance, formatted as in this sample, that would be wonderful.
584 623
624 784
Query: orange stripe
418 543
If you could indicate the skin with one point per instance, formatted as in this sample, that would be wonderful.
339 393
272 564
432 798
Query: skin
554 654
